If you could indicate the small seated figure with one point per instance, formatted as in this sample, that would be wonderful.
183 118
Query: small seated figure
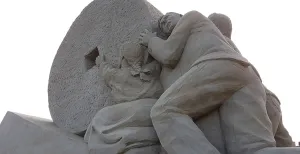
137 76
127 127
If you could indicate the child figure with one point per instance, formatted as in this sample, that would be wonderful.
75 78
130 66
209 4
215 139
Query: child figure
137 76
127 127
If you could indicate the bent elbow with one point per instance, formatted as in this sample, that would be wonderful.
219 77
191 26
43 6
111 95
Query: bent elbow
170 63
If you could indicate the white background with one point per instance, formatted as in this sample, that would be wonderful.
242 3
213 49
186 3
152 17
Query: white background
266 32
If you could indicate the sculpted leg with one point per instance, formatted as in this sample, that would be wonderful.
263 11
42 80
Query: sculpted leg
210 125
198 92
245 123
273 110
123 128
282 136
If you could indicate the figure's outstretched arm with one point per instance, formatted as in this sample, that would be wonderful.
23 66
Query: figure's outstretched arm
168 52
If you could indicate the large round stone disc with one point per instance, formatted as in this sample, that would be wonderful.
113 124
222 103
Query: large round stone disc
76 91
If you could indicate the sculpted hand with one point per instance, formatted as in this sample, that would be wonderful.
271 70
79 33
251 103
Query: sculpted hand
145 36
101 61
102 57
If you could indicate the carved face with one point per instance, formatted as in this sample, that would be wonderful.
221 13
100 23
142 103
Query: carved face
133 53
168 22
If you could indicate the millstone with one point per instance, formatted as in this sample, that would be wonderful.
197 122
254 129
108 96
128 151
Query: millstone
76 90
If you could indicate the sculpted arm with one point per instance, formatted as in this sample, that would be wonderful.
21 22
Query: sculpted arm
151 71
106 69
168 52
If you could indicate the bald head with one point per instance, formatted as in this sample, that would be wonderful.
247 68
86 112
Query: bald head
222 22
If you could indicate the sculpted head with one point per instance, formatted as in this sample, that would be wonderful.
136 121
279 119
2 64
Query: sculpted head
168 22
222 22
133 53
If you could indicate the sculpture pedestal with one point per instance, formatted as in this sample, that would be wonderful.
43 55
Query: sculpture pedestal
21 134
279 150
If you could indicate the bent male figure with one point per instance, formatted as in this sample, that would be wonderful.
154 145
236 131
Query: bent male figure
282 136
127 126
201 65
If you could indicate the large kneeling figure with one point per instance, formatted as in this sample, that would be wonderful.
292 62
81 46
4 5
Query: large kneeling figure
201 62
